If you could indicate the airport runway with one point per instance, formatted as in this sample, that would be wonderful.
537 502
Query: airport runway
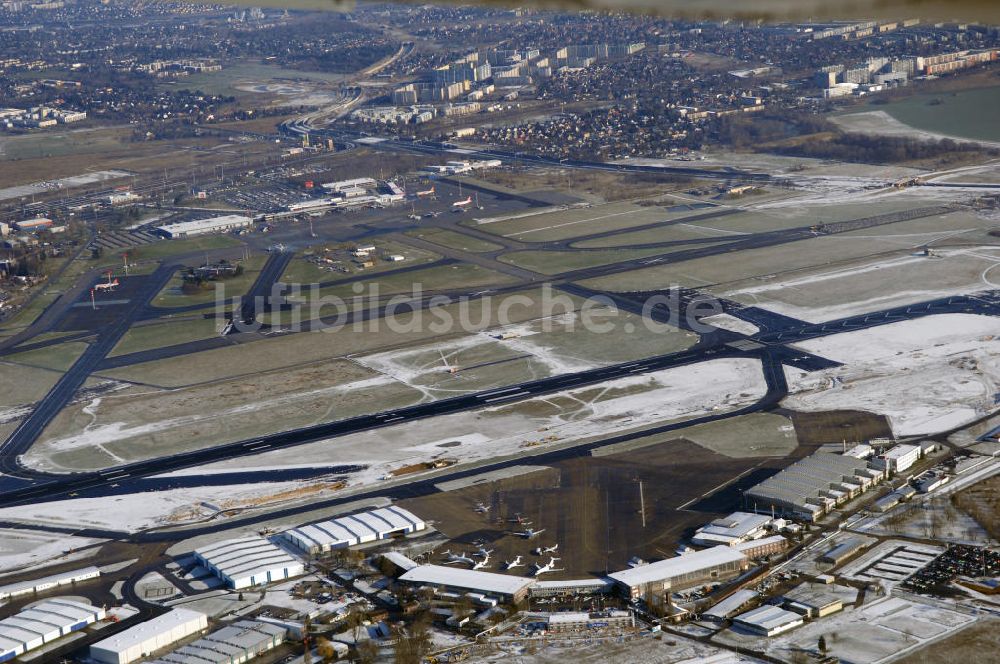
21 439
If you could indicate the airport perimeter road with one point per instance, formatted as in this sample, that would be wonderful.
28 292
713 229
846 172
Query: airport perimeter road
56 399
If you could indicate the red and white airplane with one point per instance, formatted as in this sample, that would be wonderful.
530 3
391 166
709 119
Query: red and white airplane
428 192
109 286
462 204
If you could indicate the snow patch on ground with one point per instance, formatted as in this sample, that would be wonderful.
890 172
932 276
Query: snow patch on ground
22 550
731 323
926 375
565 417
133 512
97 435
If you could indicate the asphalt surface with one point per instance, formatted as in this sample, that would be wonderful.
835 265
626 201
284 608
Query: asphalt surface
62 392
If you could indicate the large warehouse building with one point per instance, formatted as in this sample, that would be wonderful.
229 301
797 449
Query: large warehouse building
248 561
813 486
731 530
356 529
452 579
223 224
43 623
680 571
235 644
48 582
148 637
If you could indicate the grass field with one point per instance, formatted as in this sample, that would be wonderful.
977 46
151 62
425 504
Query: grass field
142 423
455 240
225 82
661 234
166 333
172 294
170 248
46 145
557 262
303 271
565 224
58 358
442 277
31 383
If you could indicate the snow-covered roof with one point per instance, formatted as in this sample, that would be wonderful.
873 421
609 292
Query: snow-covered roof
179 622
356 528
246 557
486 582
769 617
679 566
731 604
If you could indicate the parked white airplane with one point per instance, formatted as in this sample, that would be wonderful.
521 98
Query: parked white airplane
542 550
547 567
529 533
511 564
456 558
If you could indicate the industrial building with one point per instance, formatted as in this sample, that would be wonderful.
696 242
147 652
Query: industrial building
553 588
48 582
898 458
765 546
813 600
223 224
730 606
843 551
248 561
235 644
768 620
341 185
43 623
148 637
575 621
813 486
31 225
452 579
355 529
680 572
733 529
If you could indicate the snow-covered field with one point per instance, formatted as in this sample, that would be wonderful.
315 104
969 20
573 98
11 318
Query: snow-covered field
880 631
927 375
878 283
562 418
22 549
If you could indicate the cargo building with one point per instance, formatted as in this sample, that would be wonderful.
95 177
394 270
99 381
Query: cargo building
355 529
248 561
44 623
146 638
680 572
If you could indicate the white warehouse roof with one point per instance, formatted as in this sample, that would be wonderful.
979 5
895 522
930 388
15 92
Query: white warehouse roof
485 582
678 566
769 619
355 529
736 527
199 226
249 561
46 582
42 623
142 639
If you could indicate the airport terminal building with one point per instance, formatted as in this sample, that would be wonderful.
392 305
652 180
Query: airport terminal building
713 564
